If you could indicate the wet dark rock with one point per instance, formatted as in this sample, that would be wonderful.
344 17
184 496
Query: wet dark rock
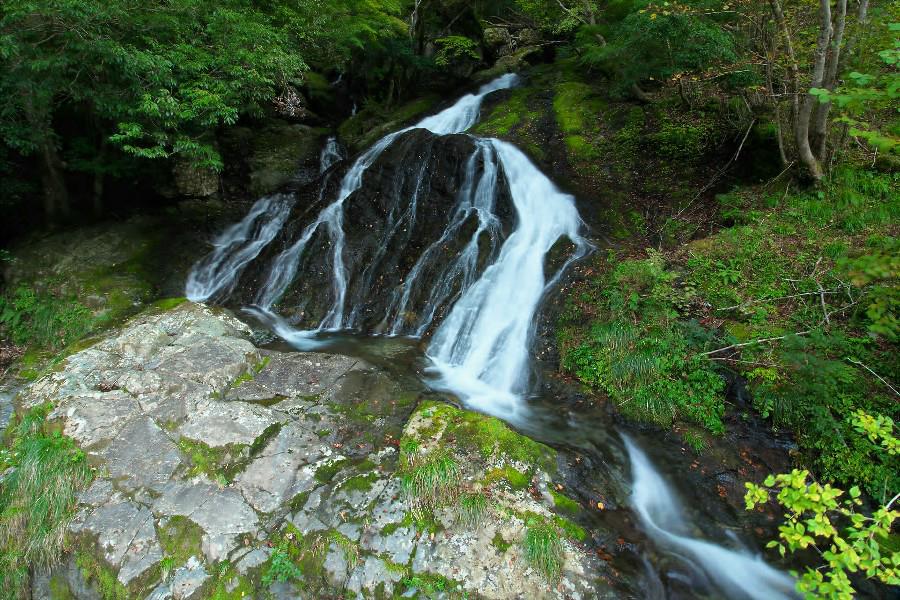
403 206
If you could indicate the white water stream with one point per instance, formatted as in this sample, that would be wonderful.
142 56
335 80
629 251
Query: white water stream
738 573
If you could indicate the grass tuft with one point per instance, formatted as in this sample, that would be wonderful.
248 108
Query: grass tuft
544 550
472 508
433 481
37 500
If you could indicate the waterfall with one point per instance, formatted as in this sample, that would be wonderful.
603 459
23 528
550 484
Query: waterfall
455 119
480 351
489 287
235 247
737 573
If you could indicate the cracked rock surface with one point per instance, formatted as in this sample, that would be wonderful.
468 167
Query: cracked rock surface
258 458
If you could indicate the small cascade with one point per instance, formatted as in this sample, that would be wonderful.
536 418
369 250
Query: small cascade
234 248
477 197
737 573
331 154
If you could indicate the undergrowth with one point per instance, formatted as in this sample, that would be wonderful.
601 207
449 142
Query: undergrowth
798 294
43 473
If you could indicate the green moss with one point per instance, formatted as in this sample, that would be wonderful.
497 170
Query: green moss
326 472
500 543
102 577
219 463
359 483
564 503
180 539
59 589
298 501
373 121
491 437
228 578
516 479
570 528
579 147
506 116
433 586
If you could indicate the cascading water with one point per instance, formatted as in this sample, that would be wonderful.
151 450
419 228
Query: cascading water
481 349
331 153
737 573
455 119
236 247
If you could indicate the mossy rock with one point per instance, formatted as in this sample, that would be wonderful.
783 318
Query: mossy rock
450 428
374 122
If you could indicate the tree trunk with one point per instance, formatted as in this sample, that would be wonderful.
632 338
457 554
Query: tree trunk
820 128
99 177
56 197
770 88
793 68
804 115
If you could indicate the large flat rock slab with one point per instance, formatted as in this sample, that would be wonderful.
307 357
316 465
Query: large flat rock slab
225 468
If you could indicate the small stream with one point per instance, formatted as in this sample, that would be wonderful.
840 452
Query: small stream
471 339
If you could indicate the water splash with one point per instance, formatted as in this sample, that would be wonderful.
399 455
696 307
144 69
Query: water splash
738 573
331 154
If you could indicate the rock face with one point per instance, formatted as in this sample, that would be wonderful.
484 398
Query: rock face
225 468
404 205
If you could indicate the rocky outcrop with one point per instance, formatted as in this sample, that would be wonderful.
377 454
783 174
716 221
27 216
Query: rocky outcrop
406 200
223 467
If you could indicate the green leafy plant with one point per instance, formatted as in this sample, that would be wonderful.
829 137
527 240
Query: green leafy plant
455 49
823 518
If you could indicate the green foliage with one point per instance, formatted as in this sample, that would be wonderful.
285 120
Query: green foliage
695 441
862 93
44 472
641 356
33 318
456 49
879 274
847 540
296 558
657 42
543 550
164 73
